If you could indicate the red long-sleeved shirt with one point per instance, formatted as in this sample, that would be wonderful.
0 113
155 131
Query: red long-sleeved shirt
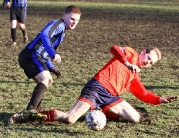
117 78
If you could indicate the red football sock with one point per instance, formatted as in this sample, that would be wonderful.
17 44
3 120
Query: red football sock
110 115
50 115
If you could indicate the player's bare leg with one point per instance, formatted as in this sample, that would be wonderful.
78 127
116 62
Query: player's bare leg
77 110
125 112
43 80
24 32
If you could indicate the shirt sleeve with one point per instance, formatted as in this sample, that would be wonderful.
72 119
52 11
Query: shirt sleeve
119 53
47 44
138 90
49 64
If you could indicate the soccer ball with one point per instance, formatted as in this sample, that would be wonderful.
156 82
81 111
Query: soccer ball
95 120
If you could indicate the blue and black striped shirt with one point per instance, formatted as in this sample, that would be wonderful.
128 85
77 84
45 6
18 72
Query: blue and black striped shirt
47 41
18 3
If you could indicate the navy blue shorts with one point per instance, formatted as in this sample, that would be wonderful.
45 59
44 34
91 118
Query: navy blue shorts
97 96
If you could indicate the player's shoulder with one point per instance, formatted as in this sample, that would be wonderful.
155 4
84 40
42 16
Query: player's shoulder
129 49
56 24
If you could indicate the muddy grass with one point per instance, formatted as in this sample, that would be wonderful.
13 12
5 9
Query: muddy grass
96 32
86 49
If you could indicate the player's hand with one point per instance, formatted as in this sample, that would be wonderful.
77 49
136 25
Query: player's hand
57 58
8 4
134 68
56 72
168 99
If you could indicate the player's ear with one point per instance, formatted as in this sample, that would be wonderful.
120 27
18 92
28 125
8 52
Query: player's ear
64 15
143 52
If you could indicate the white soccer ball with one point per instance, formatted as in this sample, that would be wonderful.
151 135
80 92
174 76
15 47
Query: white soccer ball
95 120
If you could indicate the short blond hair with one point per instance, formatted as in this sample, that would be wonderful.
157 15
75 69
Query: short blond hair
157 51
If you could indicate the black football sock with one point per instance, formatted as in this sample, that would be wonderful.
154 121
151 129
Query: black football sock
37 96
38 106
13 34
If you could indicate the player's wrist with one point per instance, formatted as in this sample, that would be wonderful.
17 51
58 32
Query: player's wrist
128 65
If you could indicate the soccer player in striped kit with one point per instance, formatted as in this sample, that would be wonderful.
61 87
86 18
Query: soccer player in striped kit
18 12
37 57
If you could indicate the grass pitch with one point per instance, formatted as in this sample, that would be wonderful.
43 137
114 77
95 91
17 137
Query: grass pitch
137 23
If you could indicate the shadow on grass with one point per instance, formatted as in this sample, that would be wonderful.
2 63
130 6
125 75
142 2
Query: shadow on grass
30 82
4 117
65 131
82 84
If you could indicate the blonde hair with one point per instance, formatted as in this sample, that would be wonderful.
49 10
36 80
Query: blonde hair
157 51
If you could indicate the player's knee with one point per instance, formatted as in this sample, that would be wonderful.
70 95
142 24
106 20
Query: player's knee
22 26
50 81
136 118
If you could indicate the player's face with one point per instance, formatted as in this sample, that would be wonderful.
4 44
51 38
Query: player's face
147 59
71 20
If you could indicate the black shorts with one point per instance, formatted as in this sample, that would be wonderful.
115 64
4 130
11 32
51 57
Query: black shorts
18 13
32 66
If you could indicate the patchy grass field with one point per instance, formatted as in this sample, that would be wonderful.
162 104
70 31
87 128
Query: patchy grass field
84 51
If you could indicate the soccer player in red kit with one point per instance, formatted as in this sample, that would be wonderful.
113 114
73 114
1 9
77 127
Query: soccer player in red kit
104 90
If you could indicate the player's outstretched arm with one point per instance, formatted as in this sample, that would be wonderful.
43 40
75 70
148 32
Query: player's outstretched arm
119 53
168 99
132 67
